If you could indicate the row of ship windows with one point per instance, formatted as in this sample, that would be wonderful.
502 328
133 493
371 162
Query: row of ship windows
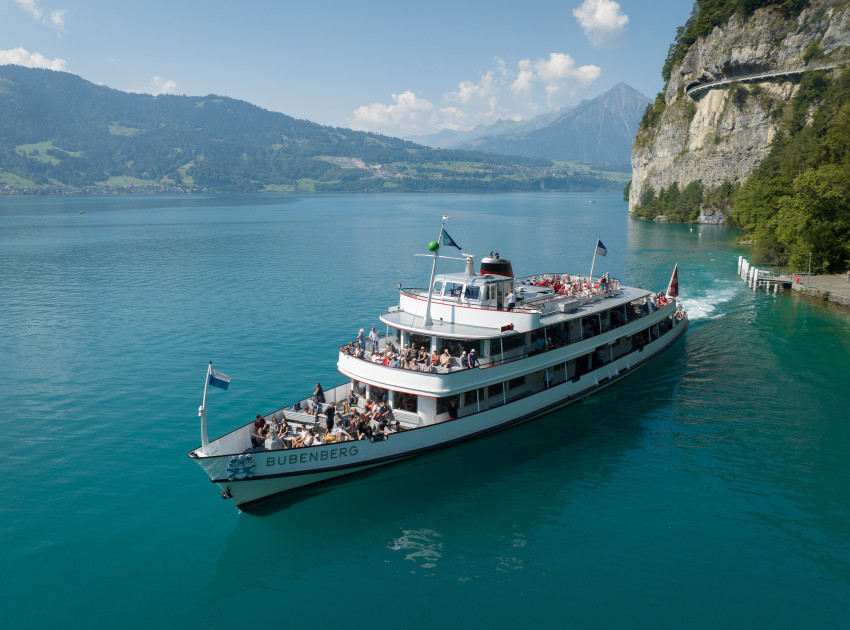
483 398
536 341
498 394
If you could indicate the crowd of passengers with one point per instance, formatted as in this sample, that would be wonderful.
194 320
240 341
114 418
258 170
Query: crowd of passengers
407 358
345 423
578 287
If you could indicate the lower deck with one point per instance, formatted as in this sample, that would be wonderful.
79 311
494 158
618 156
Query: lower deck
472 412
257 473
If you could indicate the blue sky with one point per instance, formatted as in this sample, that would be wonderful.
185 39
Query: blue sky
400 68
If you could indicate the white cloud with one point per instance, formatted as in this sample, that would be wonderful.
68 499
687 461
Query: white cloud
556 74
22 57
408 114
524 81
469 92
30 7
499 93
55 19
602 21
157 86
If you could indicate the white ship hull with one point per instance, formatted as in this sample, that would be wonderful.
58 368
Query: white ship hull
248 478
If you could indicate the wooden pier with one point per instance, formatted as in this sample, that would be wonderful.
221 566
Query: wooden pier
764 278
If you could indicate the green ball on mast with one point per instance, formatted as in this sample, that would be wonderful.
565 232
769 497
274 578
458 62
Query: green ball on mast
433 246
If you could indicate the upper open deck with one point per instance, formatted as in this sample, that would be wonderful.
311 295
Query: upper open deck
474 307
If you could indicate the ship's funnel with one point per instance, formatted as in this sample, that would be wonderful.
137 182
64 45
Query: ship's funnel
495 266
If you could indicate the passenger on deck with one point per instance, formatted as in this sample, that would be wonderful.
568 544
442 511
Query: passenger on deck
539 345
316 409
338 434
422 355
330 412
377 358
452 409
274 426
405 354
360 429
319 394
446 359
464 361
373 338
256 431
394 361
435 358
511 300
357 352
361 339
298 440
383 412
283 428
310 440
600 356
472 358
378 432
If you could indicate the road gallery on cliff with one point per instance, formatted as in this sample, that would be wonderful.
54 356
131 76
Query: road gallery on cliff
470 354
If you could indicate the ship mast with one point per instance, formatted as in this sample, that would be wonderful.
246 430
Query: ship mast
436 250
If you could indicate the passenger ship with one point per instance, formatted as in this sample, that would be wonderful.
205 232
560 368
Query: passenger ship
558 342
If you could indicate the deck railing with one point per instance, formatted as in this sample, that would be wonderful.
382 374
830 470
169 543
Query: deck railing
514 354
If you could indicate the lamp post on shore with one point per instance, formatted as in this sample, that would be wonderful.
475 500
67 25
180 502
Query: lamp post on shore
809 276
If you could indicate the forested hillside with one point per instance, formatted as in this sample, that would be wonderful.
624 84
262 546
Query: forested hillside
60 133
767 150
798 199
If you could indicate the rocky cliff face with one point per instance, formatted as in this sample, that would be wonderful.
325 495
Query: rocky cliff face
723 133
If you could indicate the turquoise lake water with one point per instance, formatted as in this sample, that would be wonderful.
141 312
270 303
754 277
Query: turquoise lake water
709 489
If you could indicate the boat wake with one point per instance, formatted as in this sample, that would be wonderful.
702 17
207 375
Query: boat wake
708 304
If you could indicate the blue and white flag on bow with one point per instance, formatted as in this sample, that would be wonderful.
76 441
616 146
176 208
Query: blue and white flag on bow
600 248
448 240
217 379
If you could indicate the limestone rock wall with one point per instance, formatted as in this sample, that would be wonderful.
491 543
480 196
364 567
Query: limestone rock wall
725 132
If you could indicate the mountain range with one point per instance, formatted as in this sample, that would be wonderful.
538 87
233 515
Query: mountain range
601 129
60 133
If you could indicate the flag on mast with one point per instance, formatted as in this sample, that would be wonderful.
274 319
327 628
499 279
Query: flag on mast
673 287
600 248
448 240
217 379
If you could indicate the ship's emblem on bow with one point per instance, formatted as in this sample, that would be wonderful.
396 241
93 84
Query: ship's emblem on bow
240 467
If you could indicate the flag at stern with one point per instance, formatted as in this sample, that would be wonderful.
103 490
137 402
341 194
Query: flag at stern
673 287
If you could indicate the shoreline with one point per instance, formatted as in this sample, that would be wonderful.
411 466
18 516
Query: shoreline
830 288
